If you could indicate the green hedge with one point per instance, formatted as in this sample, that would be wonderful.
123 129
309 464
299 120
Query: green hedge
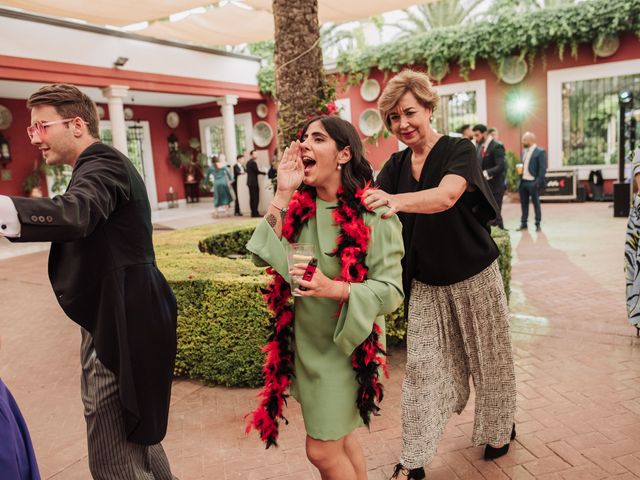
222 319
228 243
513 179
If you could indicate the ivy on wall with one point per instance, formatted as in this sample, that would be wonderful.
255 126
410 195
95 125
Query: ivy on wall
523 34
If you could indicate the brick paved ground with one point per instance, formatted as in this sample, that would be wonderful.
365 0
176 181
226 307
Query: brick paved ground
577 364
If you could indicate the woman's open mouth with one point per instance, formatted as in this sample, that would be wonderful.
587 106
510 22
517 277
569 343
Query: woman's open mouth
308 163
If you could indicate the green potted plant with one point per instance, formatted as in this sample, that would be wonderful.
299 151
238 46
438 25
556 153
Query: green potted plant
60 178
31 184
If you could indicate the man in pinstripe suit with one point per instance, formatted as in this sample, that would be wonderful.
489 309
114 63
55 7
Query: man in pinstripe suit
103 273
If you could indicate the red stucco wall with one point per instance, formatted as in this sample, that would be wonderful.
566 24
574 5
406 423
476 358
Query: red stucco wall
24 156
535 82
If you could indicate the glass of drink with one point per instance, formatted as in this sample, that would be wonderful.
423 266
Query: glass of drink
519 168
299 253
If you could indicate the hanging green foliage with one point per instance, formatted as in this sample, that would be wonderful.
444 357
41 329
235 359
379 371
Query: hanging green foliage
523 34
493 41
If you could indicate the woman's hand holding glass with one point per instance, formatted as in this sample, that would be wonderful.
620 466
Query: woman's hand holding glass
319 285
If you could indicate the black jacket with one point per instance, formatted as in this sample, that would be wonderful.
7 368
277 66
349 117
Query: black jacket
237 171
252 173
103 272
494 163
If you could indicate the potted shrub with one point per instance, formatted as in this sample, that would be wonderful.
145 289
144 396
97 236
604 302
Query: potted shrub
31 184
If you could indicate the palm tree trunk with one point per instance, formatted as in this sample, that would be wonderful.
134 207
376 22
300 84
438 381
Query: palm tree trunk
298 59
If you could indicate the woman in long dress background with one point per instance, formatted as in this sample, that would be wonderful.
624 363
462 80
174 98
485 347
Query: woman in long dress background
219 175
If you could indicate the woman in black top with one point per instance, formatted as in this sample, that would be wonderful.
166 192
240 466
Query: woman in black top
458 323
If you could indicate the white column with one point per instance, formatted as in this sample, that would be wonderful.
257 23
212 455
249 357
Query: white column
114 95
229 126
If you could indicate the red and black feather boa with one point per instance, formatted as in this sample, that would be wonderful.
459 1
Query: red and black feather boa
367 359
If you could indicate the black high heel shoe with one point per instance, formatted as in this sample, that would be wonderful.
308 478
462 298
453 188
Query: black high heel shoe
491 453
412 473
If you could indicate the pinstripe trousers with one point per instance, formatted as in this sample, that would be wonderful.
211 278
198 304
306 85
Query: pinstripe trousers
111 455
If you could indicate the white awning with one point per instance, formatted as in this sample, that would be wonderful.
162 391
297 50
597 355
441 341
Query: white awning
226 22
228 25
110 12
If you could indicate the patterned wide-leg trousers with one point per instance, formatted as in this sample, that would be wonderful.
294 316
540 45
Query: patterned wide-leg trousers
111 455
455 331
632 263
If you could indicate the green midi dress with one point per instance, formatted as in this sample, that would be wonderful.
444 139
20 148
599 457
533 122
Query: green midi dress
325 383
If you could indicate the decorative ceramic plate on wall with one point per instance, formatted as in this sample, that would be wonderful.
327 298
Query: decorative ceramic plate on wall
370 89
513 70
370 122
128 113
262 134
262 110
605 46
5 117
173 119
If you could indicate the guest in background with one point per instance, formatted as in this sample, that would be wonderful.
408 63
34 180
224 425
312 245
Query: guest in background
493 133
466 132
272 174
252 182
220 176
192 178
534 166
238 169
491 156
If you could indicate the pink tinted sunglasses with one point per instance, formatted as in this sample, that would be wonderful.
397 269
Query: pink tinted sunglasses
41 127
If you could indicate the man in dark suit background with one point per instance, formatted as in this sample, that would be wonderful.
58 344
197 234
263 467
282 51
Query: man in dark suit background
252 182
491 156
238 170
534 167
103 273
466 132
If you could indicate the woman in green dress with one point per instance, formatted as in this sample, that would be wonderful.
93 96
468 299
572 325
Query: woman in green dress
338 316
219 175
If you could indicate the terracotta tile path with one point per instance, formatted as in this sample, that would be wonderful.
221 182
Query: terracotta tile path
577 364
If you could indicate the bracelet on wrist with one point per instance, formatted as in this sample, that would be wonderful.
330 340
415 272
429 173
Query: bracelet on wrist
344 296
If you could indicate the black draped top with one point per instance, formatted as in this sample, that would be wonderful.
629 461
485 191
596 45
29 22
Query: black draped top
446 247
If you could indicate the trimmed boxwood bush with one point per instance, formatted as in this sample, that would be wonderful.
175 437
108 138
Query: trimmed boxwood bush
503 241
228 243
222 319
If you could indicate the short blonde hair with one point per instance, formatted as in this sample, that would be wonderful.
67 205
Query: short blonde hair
417 83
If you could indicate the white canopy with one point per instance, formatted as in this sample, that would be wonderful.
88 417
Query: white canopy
111 12
222 23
